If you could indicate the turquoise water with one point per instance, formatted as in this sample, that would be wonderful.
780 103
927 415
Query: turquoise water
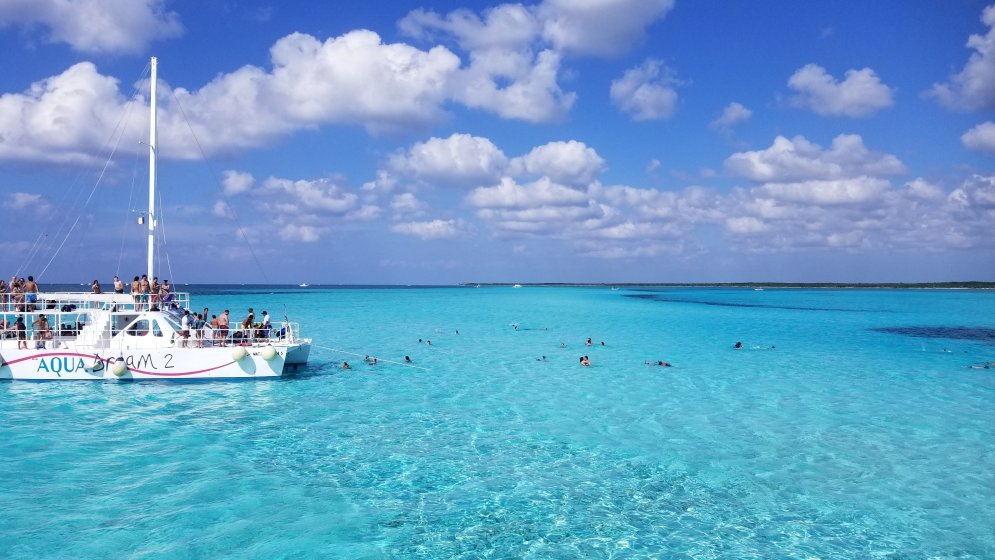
844 441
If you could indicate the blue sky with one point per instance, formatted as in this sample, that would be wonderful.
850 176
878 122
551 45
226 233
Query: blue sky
560 141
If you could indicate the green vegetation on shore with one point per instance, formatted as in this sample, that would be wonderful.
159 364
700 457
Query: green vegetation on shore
901 285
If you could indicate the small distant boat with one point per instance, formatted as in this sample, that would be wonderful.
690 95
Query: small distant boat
614 288
517 286
758 289
303 285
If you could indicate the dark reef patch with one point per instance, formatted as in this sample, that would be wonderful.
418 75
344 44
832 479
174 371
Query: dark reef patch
979 334
655 297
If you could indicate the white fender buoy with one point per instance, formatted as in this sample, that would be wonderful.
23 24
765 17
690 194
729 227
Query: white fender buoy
269 353
119 368
239 354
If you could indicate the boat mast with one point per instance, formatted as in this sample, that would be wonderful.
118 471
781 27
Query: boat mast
152 170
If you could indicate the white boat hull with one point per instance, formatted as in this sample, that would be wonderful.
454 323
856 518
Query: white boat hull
238 362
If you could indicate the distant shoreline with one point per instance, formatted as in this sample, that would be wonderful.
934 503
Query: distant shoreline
875 285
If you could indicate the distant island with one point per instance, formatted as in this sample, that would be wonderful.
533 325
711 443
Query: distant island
901 285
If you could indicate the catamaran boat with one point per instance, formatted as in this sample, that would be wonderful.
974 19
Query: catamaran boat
75 336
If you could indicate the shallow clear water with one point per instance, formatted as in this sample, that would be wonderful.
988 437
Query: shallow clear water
845 440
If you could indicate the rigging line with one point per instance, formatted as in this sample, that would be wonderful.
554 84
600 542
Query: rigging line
241 230
117 131
162 241
379 359
86 203
31 254
124 230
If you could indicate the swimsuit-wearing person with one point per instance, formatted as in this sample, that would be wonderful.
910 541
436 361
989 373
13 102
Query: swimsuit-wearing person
223 328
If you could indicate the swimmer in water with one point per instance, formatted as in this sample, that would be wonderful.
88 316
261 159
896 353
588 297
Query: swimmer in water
588 343
738 345
345 365
585 361
407 359
658 363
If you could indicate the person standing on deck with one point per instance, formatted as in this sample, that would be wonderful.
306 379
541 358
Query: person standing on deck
185 329
154 292
135 290
118 286
223 328
16 295
21 330
30 293
247 324
143 292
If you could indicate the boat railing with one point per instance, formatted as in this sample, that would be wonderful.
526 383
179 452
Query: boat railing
80 301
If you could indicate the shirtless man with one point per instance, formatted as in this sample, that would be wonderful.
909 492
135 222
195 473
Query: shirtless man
154 292
223 328
42 329
134 291
143 291
30 293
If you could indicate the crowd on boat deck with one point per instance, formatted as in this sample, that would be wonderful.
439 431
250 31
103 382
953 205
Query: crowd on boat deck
196 329
19 295
216 332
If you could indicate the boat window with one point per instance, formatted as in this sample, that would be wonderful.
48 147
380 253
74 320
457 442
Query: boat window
171 322
156 331
139 328
121 321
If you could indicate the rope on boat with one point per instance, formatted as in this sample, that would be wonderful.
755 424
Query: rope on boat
362 355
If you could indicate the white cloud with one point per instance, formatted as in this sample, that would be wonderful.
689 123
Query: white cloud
235 183
919 188
516 51
733 114
95 26
509 194
800 160
861 94
221 209
981 137
407 204
569 163
63 119
978 193
298 232
599 27
745 225
459 160
303 197
435 229
974 86
28 202
351 79
514 85
507 27
829 192
645 92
